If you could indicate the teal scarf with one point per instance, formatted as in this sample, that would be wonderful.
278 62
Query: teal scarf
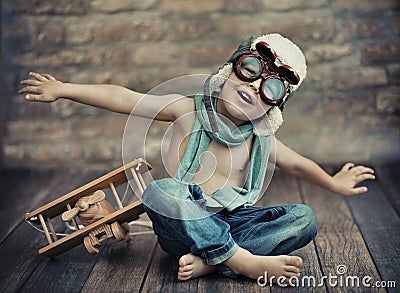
200 138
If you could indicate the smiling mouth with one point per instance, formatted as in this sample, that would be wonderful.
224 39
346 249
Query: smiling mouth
245 97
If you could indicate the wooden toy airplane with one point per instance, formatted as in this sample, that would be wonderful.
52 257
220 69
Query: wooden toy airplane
99 218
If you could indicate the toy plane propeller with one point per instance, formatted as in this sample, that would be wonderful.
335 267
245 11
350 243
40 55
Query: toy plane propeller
83 205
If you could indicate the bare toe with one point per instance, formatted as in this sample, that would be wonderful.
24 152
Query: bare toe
293 269
185 260
186 268
192 266
298 262
185 274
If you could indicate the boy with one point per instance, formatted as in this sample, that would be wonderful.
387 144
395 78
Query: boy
231 136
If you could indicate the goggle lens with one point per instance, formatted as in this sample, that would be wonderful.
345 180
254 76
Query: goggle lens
290 75
273 88
266 52
251 67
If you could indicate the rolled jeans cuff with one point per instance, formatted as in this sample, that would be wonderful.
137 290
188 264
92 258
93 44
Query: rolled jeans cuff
221 254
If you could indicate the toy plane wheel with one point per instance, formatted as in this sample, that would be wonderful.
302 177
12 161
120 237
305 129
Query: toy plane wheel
89 246
118 232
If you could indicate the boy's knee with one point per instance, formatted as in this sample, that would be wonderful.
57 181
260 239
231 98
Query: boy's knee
306 216
311 220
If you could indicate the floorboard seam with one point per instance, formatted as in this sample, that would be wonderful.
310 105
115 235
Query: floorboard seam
148 267
386 192
300 189
29 276
363 237
4 238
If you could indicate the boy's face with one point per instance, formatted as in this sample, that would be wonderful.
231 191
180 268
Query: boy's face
242 99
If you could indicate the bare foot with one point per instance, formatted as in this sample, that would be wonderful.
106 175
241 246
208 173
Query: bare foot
253 266
192 266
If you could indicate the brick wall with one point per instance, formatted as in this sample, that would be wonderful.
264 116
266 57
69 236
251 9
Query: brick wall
347 109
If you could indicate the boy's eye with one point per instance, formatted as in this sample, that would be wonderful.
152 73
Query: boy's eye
251 67
249 71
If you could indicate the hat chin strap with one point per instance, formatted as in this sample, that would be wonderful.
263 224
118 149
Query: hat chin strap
266 125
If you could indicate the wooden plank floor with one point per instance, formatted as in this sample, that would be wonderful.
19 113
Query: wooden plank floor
358 234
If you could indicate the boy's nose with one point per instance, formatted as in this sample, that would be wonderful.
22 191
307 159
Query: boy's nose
255 85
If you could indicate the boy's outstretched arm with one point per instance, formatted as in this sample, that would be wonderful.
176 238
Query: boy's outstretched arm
343 182
45 88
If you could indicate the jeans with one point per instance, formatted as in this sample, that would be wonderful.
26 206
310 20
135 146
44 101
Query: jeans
260 230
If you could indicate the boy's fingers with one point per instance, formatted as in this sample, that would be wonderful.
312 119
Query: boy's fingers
367 170
361 170
370 170
30 82
359 190
30 97
34 98
368 177
365 177
29 89
37 76
48 76
23 90
347 166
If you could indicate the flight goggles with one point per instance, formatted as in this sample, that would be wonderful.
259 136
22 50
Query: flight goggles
249 67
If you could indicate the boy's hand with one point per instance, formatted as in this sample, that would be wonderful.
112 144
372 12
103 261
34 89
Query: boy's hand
41 87
349 176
